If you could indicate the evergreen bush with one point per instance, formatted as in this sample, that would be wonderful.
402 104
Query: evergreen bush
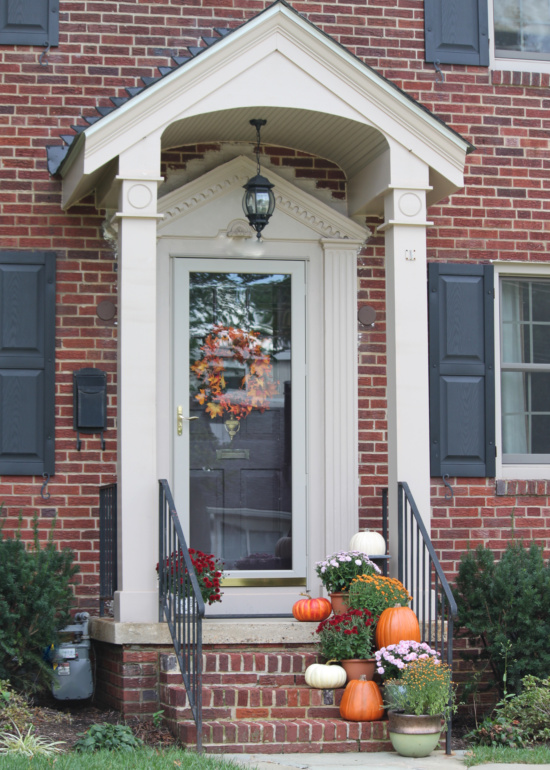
35 598
504 606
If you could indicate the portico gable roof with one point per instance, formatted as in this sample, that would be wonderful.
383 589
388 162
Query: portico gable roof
316 95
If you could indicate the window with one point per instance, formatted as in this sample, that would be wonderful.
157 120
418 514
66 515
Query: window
525 369
522 29
502 34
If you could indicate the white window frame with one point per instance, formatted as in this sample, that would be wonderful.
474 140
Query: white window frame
511 63
513 470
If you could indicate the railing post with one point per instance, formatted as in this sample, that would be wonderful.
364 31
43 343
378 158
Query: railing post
412 535
107 544
400 575
180 602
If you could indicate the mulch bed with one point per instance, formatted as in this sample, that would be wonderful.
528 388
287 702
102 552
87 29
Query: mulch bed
65 721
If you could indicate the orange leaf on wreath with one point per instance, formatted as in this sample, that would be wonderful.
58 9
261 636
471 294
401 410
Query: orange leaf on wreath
214 410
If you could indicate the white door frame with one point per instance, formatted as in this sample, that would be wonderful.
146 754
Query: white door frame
331 332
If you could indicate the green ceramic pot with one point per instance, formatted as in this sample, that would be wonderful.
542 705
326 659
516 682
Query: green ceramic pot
412 735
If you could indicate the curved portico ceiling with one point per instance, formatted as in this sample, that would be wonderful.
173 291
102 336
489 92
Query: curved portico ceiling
349 144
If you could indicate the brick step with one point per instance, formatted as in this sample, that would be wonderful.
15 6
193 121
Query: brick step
223 701
265 736
271 666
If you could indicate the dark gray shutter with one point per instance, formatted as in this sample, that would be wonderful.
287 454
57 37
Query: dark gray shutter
27 363
457 31
29 22
462 373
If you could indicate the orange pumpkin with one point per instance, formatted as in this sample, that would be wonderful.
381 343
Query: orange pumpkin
362 701
312 609
396 624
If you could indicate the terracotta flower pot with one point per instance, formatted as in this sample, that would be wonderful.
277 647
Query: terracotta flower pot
339 602
412 735
357 667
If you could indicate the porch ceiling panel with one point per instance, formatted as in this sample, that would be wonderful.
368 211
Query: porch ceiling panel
349 144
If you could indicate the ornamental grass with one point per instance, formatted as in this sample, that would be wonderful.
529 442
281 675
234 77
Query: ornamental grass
377 593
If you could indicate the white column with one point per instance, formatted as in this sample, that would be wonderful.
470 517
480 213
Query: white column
407 349
136 600
341 429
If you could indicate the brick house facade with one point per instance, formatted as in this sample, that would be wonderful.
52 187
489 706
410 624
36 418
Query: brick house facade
499 216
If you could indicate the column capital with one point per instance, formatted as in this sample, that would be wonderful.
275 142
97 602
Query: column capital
342 245
137 197
404 206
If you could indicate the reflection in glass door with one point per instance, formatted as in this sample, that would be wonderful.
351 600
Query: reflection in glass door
243 384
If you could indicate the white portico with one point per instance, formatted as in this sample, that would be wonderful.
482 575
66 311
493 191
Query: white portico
397 157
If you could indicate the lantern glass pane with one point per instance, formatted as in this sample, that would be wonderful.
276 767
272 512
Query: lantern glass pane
262 202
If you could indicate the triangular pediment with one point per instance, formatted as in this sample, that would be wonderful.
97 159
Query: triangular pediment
228 179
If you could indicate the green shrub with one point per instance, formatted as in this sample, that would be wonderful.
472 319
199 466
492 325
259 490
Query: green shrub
504 606
497 731
107 736
35 599
531 709
14 709
519 720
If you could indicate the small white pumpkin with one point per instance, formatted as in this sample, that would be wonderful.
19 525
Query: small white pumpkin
323 676
368 542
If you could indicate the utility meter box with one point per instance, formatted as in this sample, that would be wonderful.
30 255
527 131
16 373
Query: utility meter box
72 667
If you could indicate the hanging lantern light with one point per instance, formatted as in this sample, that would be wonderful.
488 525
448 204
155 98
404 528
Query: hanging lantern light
258 199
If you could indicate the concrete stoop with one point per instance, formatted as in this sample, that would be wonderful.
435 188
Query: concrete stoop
255 700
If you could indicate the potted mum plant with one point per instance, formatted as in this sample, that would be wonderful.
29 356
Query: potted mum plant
348 638
208 570
337 572
392 660
376 593
420 701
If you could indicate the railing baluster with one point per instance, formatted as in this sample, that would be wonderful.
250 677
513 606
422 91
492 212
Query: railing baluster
416 567
107 545
180 602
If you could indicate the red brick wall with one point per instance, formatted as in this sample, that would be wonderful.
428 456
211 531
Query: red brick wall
502 213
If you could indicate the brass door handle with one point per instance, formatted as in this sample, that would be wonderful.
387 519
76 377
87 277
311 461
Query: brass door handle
181 418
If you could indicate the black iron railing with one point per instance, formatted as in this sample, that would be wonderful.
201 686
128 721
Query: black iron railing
420 571
180 602
107 545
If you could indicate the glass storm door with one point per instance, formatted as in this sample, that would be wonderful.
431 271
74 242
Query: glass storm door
239 415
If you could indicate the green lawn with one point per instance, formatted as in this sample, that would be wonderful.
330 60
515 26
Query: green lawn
143 759
479 755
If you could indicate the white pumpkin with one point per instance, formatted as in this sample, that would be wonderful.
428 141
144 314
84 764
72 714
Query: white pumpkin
323 676
368 542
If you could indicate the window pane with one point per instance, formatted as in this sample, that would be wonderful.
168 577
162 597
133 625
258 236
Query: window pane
541 344
522 26
240 438
540 293
540 391
515 434
541 434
